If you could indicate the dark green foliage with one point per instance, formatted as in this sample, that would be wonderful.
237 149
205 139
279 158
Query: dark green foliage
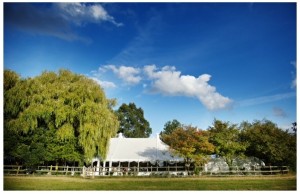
132 121
170 126
56 117
270 143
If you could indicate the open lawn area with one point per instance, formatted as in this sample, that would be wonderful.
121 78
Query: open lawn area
287 182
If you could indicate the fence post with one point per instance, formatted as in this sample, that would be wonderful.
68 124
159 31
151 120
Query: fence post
18 170
67 170
83 171
51 170
93 172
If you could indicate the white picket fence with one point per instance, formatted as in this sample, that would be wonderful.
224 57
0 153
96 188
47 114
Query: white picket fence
141 171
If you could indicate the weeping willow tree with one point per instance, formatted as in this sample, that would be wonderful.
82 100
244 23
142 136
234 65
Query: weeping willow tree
64 108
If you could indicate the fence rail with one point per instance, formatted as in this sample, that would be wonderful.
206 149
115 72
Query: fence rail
141 171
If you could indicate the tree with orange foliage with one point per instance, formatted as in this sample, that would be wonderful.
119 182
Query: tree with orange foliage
190 143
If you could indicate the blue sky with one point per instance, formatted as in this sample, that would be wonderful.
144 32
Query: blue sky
187 61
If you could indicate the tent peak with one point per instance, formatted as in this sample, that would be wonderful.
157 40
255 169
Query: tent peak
120 135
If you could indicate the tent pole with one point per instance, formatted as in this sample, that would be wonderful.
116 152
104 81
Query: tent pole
147 166
103 168
98 167
110 166
128 167
119 170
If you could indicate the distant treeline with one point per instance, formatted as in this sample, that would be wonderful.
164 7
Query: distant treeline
261 139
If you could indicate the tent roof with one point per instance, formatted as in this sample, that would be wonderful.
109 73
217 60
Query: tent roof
139 149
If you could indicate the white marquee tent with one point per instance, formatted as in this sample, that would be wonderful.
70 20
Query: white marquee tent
151 150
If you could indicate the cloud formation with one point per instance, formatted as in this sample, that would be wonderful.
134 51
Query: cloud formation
266 99
279 112
104 84
129 75
98 78
168 81
79 13
55 19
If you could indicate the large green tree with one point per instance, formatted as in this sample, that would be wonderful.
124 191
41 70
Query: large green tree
10 137
132 121
226 139
270 143
170 126
10 79
58 116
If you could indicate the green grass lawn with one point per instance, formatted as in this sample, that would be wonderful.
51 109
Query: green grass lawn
148 183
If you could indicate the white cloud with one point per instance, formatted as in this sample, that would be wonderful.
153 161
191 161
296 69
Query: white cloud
99 13
294 82
104 84
128 74
80 13
266 99
97 77
168 81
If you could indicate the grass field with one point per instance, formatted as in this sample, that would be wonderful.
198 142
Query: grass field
147 183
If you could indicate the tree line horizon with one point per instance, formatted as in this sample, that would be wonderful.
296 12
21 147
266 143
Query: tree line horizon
65 118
